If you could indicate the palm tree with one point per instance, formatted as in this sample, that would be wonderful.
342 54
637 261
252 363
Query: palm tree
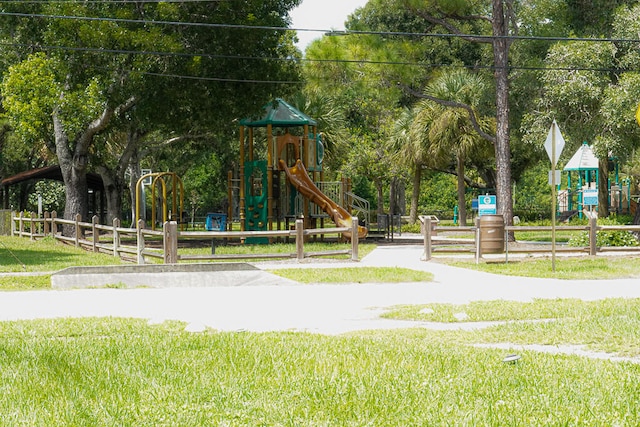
449 130
411 151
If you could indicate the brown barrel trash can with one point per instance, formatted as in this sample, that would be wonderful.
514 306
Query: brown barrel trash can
491 234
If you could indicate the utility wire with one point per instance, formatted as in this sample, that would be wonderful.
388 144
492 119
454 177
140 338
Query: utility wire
337 61
219 79
289 59
325 31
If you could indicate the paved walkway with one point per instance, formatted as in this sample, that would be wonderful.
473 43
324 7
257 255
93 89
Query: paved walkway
281 305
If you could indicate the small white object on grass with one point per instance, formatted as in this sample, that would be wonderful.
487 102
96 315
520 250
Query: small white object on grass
512 358
195 327
461 316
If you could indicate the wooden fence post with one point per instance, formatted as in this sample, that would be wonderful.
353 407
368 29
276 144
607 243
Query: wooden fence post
140 239
77 233
593 228
13 223
300 239
478 242
426 233
21 224
95 234
54 226
354 238
170 241
32 226
47 225
116 237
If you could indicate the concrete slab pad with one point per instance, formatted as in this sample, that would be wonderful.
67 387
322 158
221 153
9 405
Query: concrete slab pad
164 276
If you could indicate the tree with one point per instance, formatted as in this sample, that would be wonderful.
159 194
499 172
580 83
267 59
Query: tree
452 16
451 130
363 148
359 74
592 90
412 150
104 60
77 116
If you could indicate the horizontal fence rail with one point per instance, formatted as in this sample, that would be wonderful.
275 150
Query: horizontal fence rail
141 244
474 245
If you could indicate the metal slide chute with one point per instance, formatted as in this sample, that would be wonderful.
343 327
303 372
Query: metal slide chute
300 179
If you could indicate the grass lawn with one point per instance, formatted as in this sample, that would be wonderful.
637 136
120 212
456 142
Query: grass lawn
19 254
108 371
611 325
105 372
280 248
354 275
582 267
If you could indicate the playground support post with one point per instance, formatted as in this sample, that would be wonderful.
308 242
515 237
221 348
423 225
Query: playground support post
269 178
241 189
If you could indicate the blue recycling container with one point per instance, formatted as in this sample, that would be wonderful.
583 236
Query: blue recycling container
216 222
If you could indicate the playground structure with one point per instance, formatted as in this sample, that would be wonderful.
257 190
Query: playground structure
276 191
582 194
158 179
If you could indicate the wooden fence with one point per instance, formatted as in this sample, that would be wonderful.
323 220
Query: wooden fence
475 245
139 244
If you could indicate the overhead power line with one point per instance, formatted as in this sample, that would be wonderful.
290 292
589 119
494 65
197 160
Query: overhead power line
325 31
289 59
260 58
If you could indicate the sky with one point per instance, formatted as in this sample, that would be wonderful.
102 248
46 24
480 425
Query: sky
321 15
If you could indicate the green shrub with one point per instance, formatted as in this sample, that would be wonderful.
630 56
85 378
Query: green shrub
412 228
606 237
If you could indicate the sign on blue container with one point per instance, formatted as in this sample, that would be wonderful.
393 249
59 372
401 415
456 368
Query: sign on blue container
486 205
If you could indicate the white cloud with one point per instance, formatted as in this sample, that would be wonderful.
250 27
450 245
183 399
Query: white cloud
321 15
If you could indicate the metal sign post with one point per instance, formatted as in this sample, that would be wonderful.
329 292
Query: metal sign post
553 145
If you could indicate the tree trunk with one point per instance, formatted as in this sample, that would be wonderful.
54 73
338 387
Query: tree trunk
415 194
76 193
402 197
392 197
73 166
462 203
135 172
603 188
380 192
113 192
502 147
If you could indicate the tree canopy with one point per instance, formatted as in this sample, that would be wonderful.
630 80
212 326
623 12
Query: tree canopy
78 71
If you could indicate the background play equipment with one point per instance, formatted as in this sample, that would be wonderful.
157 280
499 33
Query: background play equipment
581 193
269 199
177 197
215 222
299 177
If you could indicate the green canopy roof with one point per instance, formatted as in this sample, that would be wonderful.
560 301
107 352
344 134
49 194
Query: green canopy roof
279 114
